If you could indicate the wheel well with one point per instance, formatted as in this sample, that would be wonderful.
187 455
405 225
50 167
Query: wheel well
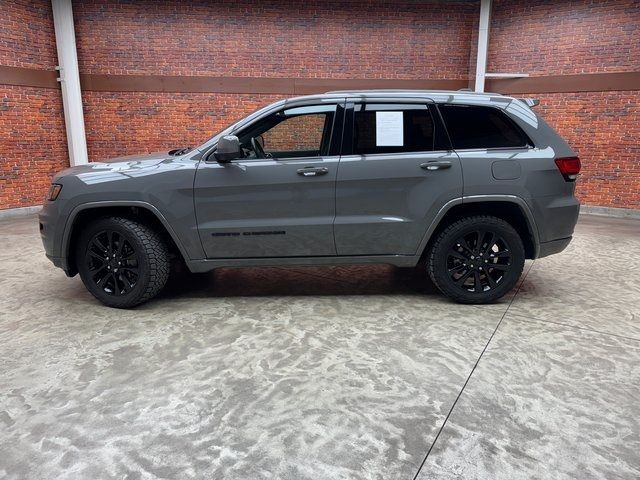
138 214
508 211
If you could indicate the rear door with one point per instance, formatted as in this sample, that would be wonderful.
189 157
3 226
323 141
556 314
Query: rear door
396 172
280 203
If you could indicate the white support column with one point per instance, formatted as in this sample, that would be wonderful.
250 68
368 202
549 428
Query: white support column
69 78
483 43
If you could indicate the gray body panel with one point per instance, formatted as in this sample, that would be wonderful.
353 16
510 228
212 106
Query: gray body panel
160 183
366 209
264 208
370 223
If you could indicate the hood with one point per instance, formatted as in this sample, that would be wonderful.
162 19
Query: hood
138 158
114 168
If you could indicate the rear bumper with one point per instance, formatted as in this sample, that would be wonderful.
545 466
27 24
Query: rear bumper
554 246
556 217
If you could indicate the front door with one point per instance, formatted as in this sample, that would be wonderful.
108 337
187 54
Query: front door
279 200
396 172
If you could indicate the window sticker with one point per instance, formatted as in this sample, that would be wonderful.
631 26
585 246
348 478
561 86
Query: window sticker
389 129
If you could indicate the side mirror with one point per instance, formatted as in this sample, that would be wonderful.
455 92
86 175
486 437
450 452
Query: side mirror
228 149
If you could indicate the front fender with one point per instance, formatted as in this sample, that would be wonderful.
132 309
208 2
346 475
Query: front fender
65 242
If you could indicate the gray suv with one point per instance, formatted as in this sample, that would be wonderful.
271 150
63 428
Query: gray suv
464 185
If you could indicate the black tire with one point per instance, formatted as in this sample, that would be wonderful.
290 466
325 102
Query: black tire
476 259
138 261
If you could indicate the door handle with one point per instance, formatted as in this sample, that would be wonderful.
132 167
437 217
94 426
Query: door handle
436 165
312 171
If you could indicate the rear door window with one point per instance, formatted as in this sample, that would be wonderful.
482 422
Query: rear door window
471 126
382 128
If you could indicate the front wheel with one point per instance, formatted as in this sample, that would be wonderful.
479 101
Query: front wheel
476 259
122 263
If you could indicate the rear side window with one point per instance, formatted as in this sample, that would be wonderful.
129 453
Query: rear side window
472 126
392 128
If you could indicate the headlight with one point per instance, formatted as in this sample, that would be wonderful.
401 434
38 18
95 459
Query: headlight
54 191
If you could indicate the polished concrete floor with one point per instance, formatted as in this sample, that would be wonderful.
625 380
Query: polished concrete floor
324 373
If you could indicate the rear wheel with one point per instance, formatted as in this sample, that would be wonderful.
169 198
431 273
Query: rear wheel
476 259
123 263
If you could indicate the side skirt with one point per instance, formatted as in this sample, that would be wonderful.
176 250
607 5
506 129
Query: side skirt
197 266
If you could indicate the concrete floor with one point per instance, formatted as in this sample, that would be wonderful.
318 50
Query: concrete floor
324 373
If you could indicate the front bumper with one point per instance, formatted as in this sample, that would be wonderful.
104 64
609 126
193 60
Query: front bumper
52 224
46 220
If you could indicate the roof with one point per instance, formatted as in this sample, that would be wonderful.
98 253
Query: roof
444 96
405 91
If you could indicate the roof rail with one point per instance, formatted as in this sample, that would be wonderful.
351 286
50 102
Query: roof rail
530 102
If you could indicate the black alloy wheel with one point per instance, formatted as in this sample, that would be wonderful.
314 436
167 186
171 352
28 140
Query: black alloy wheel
112 263
121 261
476 259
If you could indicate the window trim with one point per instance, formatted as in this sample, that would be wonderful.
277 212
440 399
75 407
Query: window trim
324 130
337 130
350 118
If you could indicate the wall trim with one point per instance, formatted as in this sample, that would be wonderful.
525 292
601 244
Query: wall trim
28 77
587 82
250 85
19 212
584 82
610 212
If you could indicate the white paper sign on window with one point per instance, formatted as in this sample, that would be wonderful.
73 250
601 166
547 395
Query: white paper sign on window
389 129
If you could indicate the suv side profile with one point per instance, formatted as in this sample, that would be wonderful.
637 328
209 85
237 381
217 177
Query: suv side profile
467 185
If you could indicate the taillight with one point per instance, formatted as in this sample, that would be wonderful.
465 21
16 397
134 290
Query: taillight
54 191
569 167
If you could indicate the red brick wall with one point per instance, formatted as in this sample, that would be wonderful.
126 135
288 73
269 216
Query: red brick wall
131 122
406 39
571 37
276 38
32 132
604 129
26 34
564 36
33 144
292 38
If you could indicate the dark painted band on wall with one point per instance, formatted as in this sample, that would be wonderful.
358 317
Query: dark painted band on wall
249 85
586 82
28 77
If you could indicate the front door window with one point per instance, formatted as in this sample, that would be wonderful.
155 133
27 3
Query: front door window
291 133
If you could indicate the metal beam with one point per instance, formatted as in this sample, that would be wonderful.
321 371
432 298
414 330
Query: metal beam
69 81
483 43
